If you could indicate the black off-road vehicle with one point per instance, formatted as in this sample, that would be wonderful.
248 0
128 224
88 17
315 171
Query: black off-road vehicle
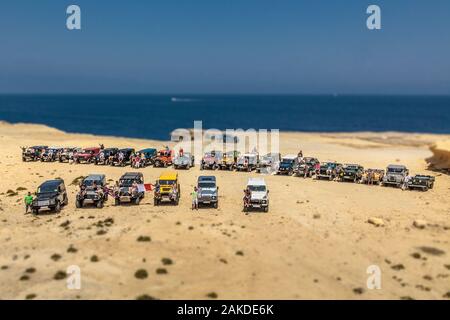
105 156
51 154
122 157
421 182
50 195
288 164
32 153
66 154
92 191
351 172
127 192
328 170
306 167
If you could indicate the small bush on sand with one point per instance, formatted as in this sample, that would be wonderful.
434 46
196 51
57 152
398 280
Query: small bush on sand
60 275
145 297
77 181
212 295
144 239
141 274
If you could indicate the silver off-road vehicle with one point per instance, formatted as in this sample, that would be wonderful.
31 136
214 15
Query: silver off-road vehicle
247 162
208 191
395 175
211 160
185 161
269 163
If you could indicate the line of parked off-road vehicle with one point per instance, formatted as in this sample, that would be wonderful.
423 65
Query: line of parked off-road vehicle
110 156
130 188
271 163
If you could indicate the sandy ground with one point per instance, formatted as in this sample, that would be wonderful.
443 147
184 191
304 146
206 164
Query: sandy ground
314 243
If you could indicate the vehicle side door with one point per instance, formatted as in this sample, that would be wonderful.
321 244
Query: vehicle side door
61 193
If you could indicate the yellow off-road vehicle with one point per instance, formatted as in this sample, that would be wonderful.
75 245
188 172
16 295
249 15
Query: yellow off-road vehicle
228 160
167 189
372 176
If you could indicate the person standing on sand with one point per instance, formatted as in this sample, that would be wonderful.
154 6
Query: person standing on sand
28 201
194 195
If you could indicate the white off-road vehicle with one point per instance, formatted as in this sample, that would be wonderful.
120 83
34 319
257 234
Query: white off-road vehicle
256 195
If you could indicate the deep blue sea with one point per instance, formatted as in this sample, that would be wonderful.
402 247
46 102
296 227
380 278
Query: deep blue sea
155 116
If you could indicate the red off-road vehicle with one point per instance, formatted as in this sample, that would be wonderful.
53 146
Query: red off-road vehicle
164 158
86 155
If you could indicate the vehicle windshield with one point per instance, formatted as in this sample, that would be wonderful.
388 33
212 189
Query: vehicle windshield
127 182
89 183
47 189
257 188
350 168
288 161
395 170
206 185
166 182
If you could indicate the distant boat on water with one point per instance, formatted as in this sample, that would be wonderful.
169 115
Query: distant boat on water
175 99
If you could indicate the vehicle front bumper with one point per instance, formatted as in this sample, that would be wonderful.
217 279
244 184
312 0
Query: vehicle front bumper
258 204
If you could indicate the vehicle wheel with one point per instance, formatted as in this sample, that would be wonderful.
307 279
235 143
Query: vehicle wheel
117 202
137 201
266 209
66 200
245 209
24 160
99 204
35 211
58 207
216 205
431 186
155 202
175 167
425 189
79 204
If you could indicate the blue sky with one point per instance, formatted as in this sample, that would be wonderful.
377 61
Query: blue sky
226 46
